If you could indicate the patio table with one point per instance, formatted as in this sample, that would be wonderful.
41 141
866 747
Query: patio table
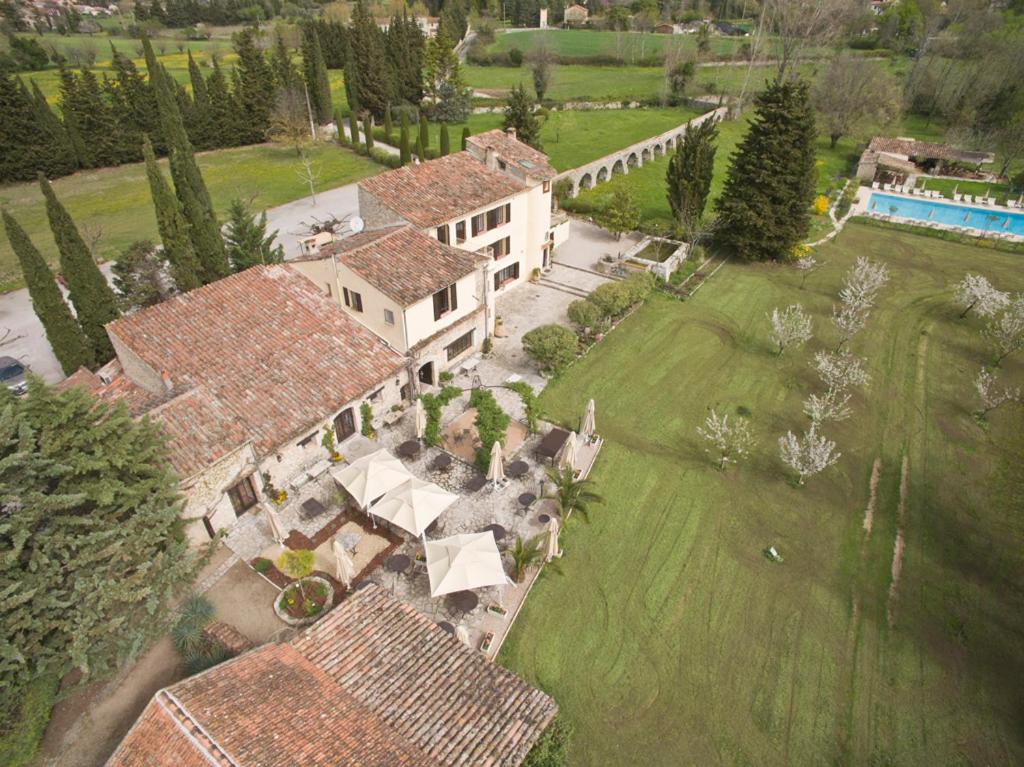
446 627
498 530
311 509
526 499
476 483
517 468
544 518
397 563
552 443
442 462
409 449
464 600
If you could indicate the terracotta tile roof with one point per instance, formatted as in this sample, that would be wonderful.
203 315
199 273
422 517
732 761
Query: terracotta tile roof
439 190
82 378
374 684
403 263
439 694
261 355
514 152
913 148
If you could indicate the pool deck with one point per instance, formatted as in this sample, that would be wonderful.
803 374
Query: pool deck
860 208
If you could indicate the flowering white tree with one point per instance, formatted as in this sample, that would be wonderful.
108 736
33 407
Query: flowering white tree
805 265
975 292
807 455
849 321
833 405
991 394
730 441
1006 330
790 327
840 371
862 283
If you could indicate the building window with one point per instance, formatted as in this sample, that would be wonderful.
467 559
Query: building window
243 496
502 165
458 346
460 232
506 275
377 395
344 424
501 248
353 300
446 300
307 440
389 317
495 217
547 187
442 234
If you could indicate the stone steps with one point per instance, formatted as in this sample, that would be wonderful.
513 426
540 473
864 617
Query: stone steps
572 290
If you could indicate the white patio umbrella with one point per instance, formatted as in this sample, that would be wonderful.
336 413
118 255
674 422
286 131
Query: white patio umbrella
413 505
589 425
346 569
568 459
496 469
463 562
421 419
553 549
462 634
371 476
274 524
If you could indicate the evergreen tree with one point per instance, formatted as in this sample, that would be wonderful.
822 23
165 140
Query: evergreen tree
421 149
134 102
93 299
247 239
315 72
58 155
388 127
339 127
764 209
373 83
189 187
689 174
368 130
255 87
140 276
65 335
519 115
172 226
353 128
200 126
445 147
423 142
286 74
405 45
465 137
444 84
351 77
98 134
96 546
223 110
404 153
21 150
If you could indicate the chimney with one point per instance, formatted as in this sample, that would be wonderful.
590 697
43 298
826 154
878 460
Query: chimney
166 378
511 132
491 158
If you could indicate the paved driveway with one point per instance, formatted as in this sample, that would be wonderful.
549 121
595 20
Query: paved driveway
291 220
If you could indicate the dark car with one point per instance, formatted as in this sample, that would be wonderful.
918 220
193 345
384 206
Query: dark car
12 374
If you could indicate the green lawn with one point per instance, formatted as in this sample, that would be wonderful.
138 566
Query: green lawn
629 46
116 201
669 639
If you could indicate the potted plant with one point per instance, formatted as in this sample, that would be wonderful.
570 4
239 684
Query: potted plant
274 494
328 443
309 597
524 555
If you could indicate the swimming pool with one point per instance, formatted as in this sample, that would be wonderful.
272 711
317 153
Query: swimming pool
993 220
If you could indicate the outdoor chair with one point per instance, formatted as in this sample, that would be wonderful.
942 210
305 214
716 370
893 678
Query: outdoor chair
874 185
957 197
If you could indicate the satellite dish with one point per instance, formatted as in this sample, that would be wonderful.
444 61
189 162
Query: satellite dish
355 224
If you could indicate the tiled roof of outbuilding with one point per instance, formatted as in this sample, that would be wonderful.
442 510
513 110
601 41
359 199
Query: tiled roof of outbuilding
528 160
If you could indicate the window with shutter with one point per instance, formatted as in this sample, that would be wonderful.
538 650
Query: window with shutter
454 297
441 303
442 234
348 300
460 232
478 223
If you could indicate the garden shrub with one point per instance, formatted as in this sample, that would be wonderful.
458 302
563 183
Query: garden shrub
433 404
530 403
846 199
612 298
552 346
552 747
638 286
585 314
366 420
385 158
491 423
515 57
22 728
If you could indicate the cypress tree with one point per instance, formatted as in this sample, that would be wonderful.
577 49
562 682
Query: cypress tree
353 127
65 335
21 147
339 127
351 77
223 110
465 137
200 127
101 136
688 178
59 158
445 148
285 73
403 142
405 45
189 186
68 86
135 102
423 141
93 298
764 209
255 87
172 225
373 83
388 127
315 71
368 131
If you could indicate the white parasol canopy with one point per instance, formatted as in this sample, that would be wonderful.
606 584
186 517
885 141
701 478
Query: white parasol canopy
371 476
568 459
552 549
413 505
421 419
496 468
462 634
346 569
589 425
463 562
275 526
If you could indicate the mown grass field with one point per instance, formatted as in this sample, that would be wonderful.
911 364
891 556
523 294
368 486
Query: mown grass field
669 639
627 45
117 203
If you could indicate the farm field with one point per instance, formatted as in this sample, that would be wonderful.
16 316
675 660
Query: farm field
627 45
116 201
682 644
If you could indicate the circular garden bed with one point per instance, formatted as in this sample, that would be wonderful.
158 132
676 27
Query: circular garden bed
304 601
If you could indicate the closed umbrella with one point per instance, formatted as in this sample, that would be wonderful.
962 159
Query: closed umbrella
568 459
421 419
553 549
274 525
462 634
589 425
346 569
496 469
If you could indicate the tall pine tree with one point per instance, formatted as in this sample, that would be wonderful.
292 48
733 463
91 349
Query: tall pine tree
65 335
688 178
59 159
444 146
764 210
404 153
255 91
423 142
93 298
519 115
21 148
200 124
172 226
248 241
286 74
102 138
315 72
373 84
465 137
405 44
224 127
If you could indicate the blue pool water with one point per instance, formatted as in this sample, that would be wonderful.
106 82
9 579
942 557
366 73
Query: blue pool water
948 213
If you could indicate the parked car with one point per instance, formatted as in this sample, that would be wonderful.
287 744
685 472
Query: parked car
12 374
